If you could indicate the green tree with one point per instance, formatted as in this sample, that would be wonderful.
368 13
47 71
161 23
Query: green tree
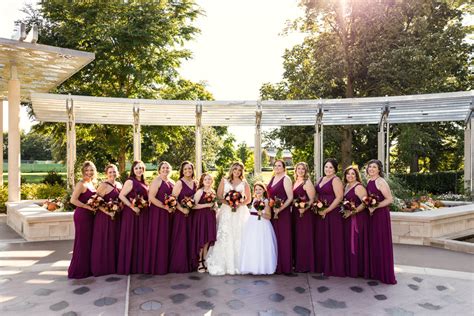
358 49
226 154
243 152
138 48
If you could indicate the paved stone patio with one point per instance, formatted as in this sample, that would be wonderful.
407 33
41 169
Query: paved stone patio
33 281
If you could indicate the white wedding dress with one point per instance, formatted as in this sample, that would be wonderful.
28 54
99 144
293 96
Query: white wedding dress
224 256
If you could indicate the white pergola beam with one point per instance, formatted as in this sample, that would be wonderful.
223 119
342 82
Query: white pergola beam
137 139
71 144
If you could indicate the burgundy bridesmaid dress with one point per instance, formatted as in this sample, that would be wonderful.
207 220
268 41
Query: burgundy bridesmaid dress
380 233
180 248
282 228
104 240
133 233
204 230
156 256
80 266
303 232
356 232
329 235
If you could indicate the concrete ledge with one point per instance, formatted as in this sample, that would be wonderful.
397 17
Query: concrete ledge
424 228
34 223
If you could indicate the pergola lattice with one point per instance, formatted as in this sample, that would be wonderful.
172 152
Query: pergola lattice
383 111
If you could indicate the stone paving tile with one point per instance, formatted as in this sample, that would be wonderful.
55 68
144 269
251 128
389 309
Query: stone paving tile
44 289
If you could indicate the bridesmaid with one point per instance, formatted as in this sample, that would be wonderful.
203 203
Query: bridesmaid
180 246
380 232
356 228
104 238
80 266
134 222
204 226
329 223
303 220
281 186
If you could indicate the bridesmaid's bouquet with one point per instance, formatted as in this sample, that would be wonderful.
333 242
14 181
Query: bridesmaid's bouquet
348 208
259 205
275 203
234 199
96 202
370 201
211 197
140 202
53 205
300 203
320 206
113 207
187 203
171 202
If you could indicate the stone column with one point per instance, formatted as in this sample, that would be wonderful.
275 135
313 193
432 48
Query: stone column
198 148
258 140
469 155
71 143
1 142
137 140
14 159
318 145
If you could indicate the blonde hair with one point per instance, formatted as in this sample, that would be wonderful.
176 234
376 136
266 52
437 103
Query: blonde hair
86 165
111 165
306 170
230 176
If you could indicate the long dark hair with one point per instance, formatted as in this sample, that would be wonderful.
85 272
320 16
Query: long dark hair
181 169
132 173
333 162
379 165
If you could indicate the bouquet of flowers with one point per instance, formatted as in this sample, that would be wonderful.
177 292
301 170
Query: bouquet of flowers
234 198
320 206
211 197
171 202
113 207
259 205
53 205
348 208
96 202
275 203
188 203
370 201
140 202
300 203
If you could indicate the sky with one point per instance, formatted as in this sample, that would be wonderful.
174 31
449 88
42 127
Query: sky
240 47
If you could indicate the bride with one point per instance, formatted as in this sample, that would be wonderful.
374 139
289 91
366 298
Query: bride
224 256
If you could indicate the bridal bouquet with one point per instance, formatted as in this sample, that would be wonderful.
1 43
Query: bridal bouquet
300 203
275 203
259 205
187 203
348 208
234 199
171 202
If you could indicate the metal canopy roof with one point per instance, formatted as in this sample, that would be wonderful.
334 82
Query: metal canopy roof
452 106
40 67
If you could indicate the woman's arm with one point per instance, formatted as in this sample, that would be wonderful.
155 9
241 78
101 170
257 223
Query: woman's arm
248 195
311 191
154 187
197 198
338 189
361 192
382 185
220 191
78 189
126 189
176 191
288 186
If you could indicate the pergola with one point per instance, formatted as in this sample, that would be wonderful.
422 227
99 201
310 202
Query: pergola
382 111
25 68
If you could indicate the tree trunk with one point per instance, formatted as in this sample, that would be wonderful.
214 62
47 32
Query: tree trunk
414 166
346 146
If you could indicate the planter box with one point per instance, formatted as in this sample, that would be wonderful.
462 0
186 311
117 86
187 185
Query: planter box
34 223
425 228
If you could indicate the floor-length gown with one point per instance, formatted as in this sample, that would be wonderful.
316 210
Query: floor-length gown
104 240
133 233
356 232
204 229
180 245
282 227
80 266
303 234
380 234
224 256
159 231
329 235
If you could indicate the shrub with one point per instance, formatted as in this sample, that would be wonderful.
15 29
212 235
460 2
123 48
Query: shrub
3 198
53 178
433 182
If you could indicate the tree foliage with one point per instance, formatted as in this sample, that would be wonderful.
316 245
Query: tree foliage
376 48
